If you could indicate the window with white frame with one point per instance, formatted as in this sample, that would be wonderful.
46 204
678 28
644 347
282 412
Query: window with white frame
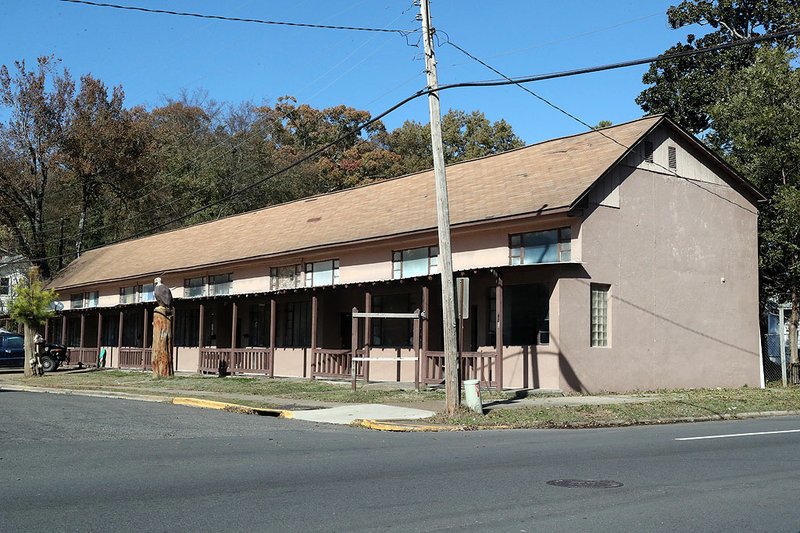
415 262
5 285
91 299
549 246
146 293
76 301
285 277
322 273
194 287
220 284
599 314
127 295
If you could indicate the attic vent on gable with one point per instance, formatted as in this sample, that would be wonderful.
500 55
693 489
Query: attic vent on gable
648 151
673 157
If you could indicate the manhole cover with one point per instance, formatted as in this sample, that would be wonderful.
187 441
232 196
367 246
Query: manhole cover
585 483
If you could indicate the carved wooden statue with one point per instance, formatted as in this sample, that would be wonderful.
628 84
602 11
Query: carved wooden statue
162 331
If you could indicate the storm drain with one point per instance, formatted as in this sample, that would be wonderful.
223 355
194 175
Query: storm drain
585 483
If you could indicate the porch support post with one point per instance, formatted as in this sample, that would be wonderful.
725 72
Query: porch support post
201 327
99 334
146 328
353 346
46 330
83 330
64 329
121 329
234 318
314 306
416 350
498 303
367 332
426 308
273 309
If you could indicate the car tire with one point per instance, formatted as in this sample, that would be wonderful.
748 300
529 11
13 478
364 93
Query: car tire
48 363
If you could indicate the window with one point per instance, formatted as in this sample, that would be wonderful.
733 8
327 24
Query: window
127 295
92 299
322 273
673 157
415 262
76 301
393 332
146 293
5 285
296 329
220 284
187 327
526 314
599 314
86 299
14 342
194 287
648 151
285 277
550 246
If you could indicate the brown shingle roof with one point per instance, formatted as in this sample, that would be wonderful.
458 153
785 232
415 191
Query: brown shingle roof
540 177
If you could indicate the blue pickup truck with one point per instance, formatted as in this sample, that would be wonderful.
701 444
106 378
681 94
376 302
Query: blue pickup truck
12 352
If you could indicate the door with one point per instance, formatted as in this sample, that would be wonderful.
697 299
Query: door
13 351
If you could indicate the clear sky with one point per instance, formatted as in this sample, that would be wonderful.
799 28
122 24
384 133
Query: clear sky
155 57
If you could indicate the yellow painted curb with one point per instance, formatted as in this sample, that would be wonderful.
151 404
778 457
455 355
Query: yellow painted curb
232 407
408 428
383 426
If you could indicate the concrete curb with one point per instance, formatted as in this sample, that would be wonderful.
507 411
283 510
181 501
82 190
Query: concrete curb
90 393
231 407
418 428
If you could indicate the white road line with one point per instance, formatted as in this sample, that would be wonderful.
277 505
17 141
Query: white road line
741 434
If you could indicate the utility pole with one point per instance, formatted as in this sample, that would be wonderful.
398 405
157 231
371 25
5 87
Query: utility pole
452 393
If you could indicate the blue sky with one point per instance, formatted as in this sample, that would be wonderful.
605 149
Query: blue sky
155 57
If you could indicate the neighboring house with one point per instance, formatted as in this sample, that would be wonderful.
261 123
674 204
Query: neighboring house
593 267
12 270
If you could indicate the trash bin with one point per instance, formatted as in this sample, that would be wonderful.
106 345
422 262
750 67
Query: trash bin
472 395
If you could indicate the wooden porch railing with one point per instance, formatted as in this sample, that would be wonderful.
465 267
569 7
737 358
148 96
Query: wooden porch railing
138 358
474 365
85 356
335 364
240 360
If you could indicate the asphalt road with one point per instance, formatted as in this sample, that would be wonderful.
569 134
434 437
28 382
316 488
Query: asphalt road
70 463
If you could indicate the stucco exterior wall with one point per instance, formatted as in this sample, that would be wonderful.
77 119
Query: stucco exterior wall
683 306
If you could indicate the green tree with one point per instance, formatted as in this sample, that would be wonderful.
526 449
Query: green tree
32 306
464 136
105 150
38 105
685 88
758 127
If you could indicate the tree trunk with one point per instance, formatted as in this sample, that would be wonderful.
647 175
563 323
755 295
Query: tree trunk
162 342
794 362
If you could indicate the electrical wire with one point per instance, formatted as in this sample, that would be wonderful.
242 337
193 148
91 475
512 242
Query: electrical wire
428 91
591 128
239 19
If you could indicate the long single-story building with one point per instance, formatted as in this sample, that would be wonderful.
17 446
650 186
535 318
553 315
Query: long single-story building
613 260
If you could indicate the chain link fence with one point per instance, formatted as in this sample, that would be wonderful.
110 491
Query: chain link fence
772 358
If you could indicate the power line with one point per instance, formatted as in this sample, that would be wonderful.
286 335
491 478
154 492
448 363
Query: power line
591 128
624 64
239 19
426 91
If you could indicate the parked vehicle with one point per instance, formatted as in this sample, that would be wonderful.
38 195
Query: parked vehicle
12 352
